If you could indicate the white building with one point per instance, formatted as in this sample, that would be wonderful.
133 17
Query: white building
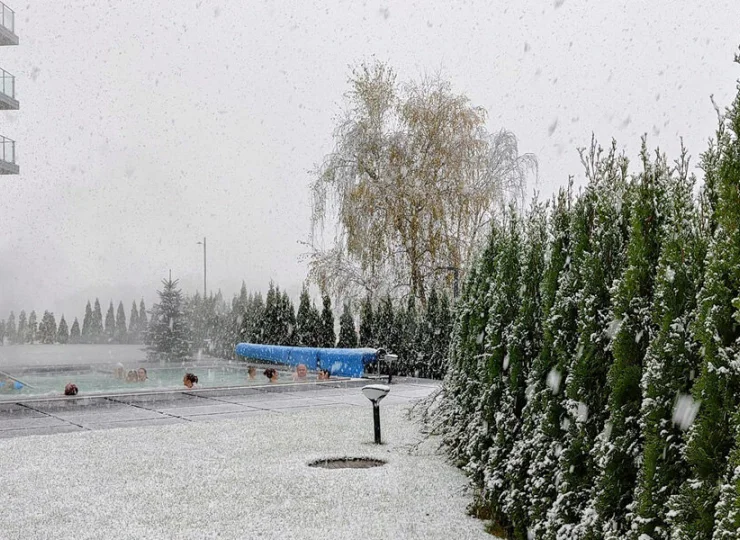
8 102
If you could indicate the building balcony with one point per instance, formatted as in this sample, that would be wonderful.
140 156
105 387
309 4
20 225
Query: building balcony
7 26
7 92
7 156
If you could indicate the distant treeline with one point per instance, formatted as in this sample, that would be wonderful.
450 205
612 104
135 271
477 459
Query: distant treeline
114 329
419 337
189 325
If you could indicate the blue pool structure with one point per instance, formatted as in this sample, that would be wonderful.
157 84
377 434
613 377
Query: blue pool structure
339 362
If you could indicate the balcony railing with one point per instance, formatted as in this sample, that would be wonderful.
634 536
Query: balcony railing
8 150
7 83
7 17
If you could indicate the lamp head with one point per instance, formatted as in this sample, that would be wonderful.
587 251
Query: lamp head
375 392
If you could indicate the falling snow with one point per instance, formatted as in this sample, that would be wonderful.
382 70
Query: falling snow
684 411
553 380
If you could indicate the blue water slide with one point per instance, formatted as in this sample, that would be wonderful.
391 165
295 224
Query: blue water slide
339 362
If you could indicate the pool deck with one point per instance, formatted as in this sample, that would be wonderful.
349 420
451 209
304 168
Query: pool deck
231 468
50 416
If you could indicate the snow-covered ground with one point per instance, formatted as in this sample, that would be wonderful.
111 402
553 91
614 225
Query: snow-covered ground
237 478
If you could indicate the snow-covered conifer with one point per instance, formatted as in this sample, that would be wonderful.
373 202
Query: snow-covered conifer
347 332
717 390
618 447
168 334
63 331
672 359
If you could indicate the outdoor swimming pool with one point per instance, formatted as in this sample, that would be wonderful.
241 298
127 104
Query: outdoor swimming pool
101 379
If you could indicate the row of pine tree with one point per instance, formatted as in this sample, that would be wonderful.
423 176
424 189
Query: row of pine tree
93 329
594 369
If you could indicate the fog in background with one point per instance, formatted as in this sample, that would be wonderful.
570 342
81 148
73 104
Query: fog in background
145 126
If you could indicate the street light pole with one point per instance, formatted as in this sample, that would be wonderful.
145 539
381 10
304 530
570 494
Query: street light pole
205 289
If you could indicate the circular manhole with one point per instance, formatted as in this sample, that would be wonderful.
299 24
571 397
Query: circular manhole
347 463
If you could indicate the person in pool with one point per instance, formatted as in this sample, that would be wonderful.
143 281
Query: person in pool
132 376
8 384
301 371
271 374
70 389
190 380
252 371
323 375
141 372
119 372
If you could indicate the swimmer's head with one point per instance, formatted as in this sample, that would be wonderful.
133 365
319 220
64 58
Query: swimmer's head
189 380
70 389
301 371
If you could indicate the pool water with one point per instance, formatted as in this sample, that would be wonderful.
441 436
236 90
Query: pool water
101 379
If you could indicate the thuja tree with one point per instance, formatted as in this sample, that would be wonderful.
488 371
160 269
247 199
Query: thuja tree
47 328
133 324
718 330
143 323
120 332
286 320
586 382
305 329
442 332
618 449
327 336
385 325
432 336
96 324
672 359
347 331
110 322
505 303
62 331
22 327
461 421
542 431
727 512
74 333
411 330
32 328
367 323
524 344
10 331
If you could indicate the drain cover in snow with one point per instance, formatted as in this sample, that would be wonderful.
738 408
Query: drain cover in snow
347 463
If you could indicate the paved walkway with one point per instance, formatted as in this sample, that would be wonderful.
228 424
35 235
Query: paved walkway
64 415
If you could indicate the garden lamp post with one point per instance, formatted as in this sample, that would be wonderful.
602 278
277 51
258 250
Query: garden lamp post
376 392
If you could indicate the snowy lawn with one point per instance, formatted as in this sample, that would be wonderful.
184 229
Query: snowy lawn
242 478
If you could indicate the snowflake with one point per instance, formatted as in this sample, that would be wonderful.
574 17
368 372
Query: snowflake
684 411
553 380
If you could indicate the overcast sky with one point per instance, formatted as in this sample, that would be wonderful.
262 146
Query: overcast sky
146 125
